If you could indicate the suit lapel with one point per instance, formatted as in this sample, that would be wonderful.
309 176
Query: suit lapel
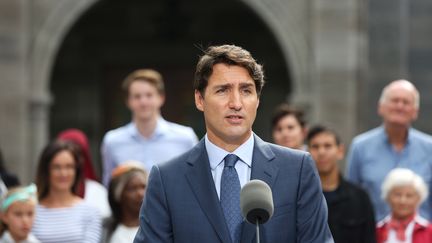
262 169
202 184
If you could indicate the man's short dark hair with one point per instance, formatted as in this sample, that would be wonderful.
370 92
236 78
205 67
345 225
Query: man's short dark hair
284 110
318 129
230 55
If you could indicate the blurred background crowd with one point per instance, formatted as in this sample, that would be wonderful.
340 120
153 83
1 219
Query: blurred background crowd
95 92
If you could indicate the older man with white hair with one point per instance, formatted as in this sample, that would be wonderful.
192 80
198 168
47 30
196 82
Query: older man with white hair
394 144
404 191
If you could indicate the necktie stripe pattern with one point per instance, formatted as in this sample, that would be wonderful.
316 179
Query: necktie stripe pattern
230 197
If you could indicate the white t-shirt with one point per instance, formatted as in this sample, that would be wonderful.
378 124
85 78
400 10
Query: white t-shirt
7 238
124 234
96 195
408 234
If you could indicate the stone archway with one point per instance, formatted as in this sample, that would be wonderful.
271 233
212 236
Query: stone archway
323 46
290 28
48 34
67 14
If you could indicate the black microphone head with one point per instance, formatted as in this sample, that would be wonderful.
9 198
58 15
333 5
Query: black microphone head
256 202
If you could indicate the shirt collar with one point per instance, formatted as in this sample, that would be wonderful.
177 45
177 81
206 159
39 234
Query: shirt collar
421 221
161 129
409 137
417 219
217 154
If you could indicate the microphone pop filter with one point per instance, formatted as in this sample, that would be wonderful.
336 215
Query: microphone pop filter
256 202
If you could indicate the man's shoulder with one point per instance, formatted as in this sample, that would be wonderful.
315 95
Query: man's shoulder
117 134
421 136
368 136
178 162
277 149
178 128
285 156
354 190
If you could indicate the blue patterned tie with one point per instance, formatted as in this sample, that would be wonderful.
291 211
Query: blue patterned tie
230 197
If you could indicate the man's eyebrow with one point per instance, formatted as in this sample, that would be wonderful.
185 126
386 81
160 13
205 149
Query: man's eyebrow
246 85
222 86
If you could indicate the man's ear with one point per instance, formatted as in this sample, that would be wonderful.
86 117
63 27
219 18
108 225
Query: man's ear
305 131
162 100
415 115
199 101
341 151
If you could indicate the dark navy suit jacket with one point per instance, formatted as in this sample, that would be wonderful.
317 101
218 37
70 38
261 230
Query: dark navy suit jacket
181 202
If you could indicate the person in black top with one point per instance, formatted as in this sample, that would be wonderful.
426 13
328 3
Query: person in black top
350 213
9 180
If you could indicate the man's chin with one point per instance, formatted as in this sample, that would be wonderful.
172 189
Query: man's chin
144 117
399 122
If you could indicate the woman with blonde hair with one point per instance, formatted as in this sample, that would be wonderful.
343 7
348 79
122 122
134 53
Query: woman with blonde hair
17 211
404 191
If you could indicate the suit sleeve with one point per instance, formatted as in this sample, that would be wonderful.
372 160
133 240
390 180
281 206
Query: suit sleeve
155 222
312 226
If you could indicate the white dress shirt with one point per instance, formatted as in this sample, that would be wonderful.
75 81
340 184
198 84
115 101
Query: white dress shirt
243 166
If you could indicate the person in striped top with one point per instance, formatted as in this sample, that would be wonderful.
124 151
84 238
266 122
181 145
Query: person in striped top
61 215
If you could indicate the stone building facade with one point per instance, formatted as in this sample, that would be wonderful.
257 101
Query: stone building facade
62 60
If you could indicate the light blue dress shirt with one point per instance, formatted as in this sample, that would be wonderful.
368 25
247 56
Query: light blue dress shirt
243 166
371 157
126 143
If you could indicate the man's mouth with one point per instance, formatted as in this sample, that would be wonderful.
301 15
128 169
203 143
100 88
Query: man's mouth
234 118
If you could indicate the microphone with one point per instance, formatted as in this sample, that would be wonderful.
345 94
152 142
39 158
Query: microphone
256 203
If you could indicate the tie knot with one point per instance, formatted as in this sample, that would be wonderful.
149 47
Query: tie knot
230 160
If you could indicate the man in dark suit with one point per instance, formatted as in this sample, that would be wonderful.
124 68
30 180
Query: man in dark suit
195 197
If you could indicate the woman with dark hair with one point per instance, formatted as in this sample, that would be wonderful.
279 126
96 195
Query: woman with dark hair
289 127
125 194
63 216
89 187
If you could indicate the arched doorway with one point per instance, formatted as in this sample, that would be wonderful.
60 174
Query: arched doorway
115 37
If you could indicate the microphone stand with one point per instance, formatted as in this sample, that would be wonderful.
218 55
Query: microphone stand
257 231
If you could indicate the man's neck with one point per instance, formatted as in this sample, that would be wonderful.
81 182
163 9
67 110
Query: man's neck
330 181
146 127
226 145
130 219
397 136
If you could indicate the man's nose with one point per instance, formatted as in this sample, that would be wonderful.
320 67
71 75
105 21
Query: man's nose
235 100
